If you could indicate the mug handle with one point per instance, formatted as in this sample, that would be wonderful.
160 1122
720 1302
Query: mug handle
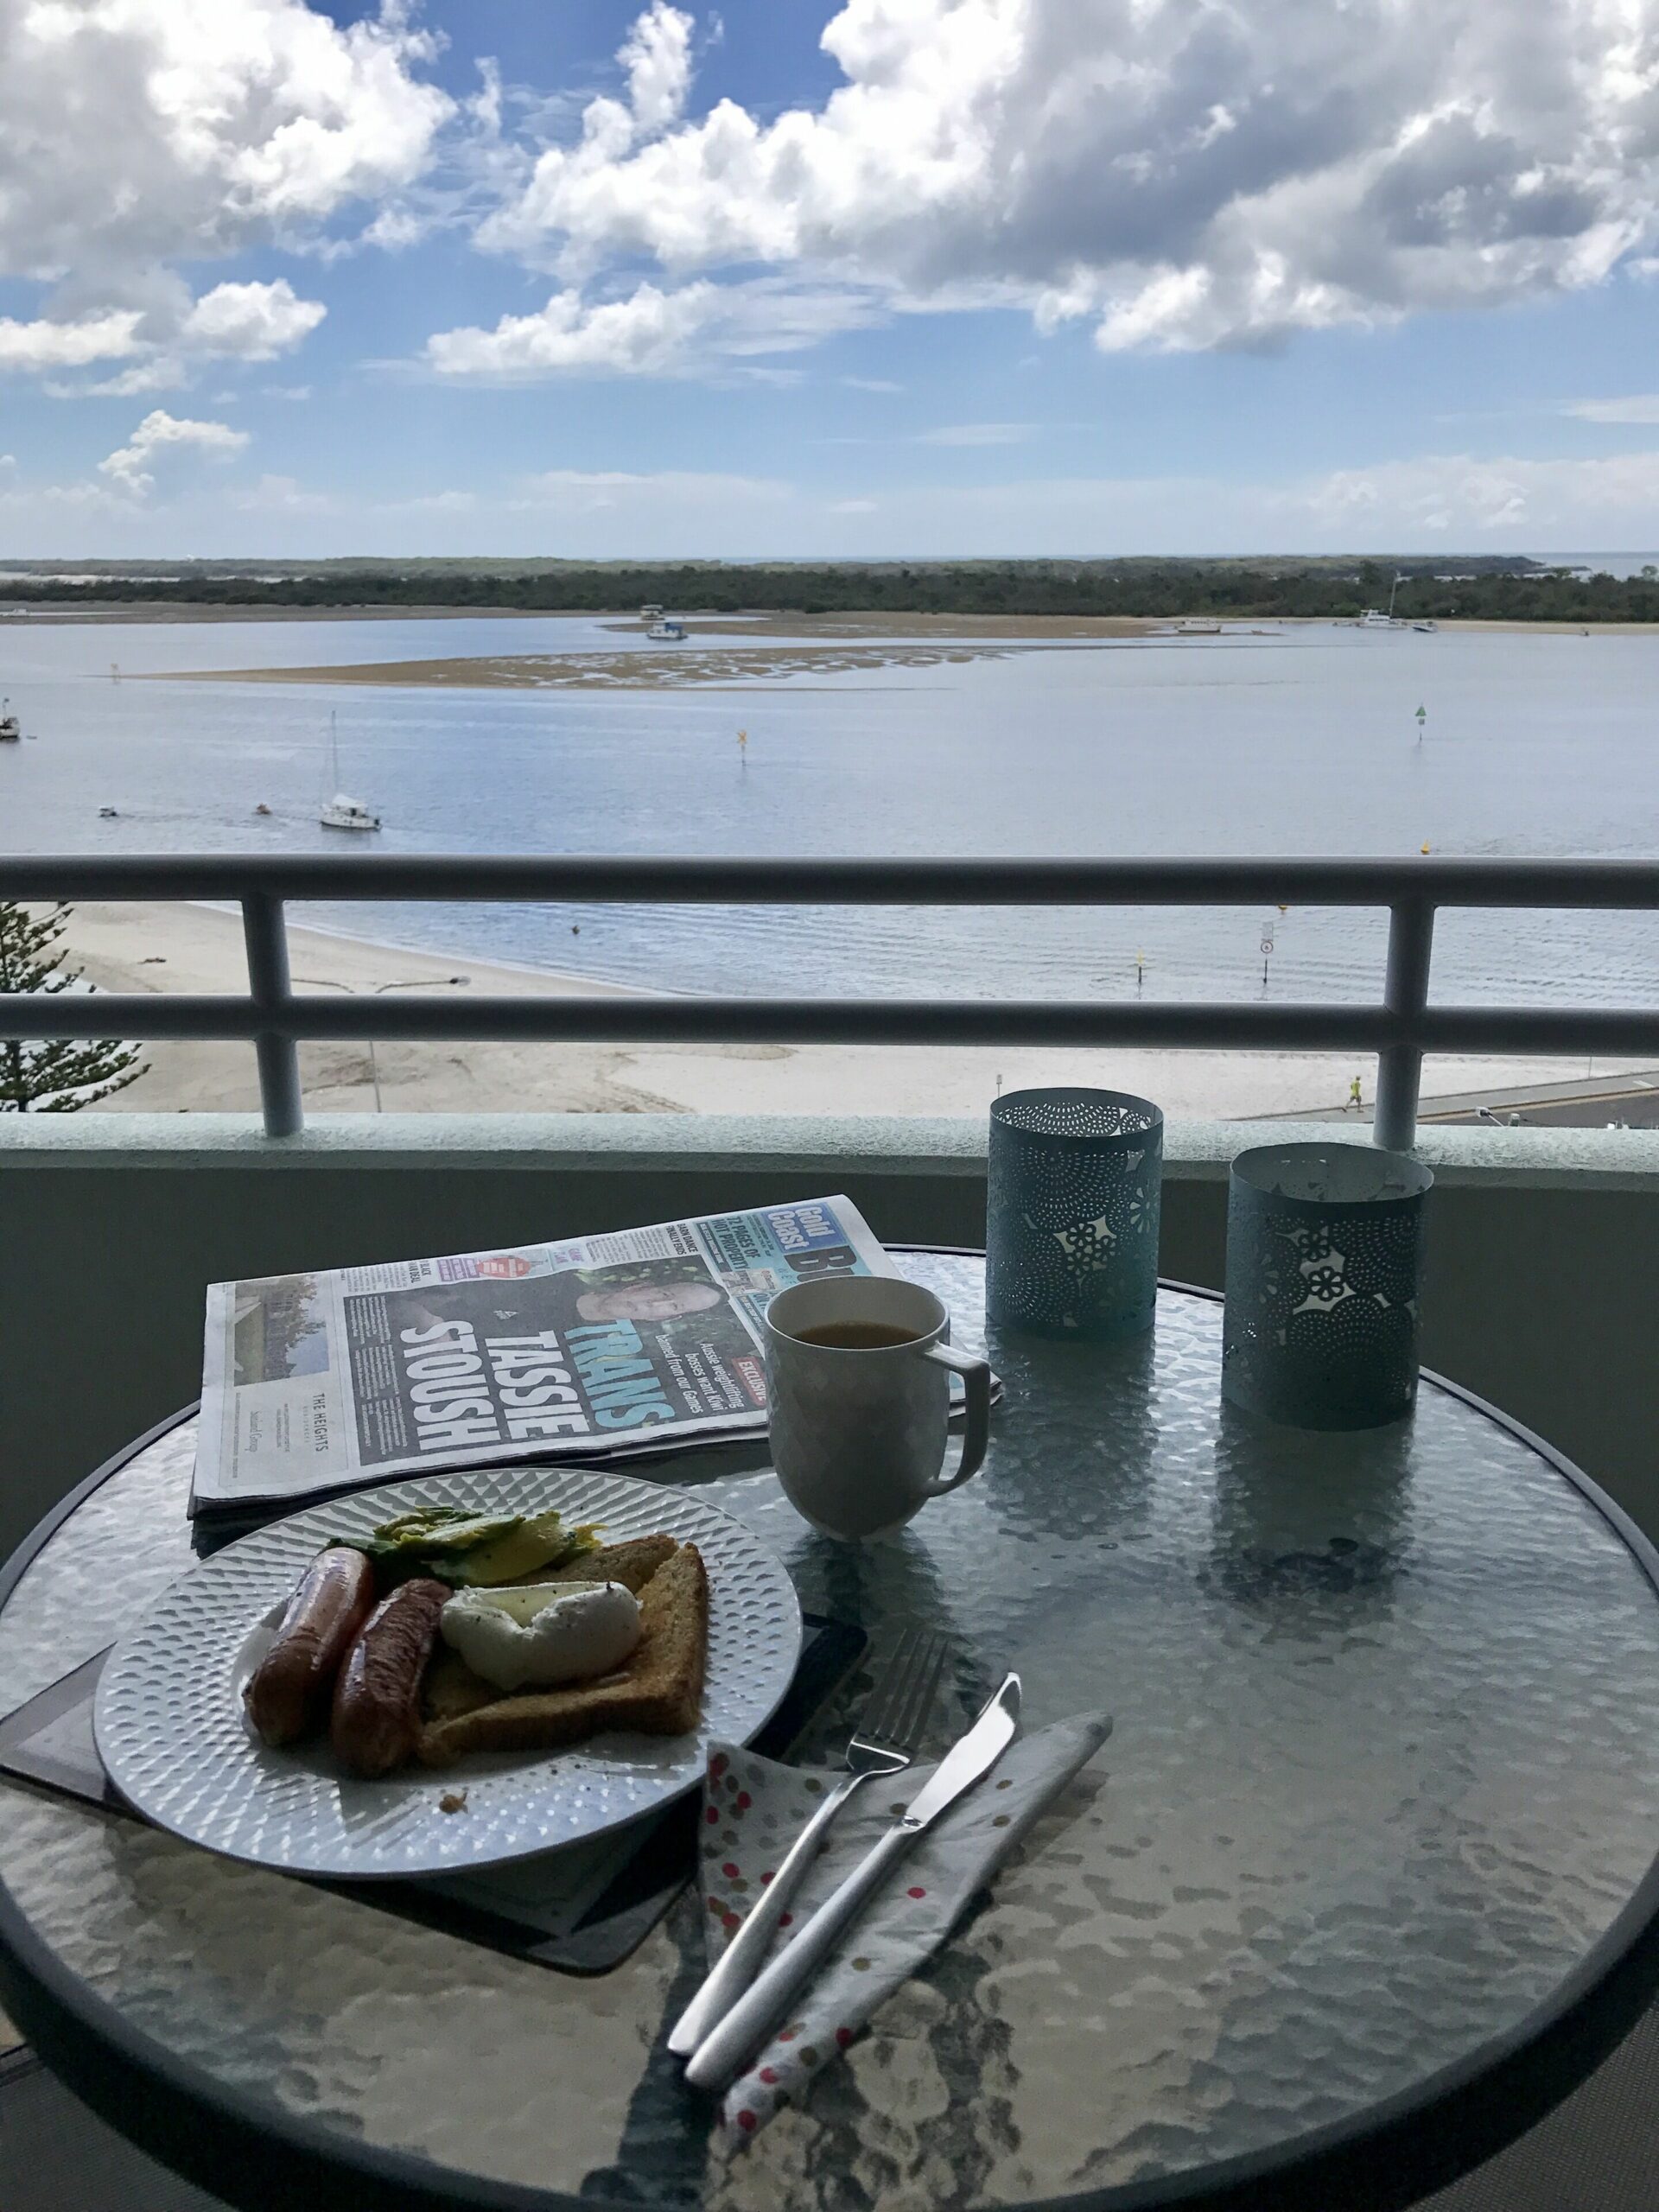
977 1381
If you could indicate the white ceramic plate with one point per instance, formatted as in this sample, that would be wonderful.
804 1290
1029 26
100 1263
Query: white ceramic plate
170 1731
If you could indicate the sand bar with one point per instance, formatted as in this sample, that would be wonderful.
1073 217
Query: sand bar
187 947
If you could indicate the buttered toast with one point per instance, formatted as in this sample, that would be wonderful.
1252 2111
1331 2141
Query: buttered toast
656 1692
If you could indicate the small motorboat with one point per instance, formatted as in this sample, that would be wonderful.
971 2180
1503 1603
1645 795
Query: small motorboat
667 632
343 813
10 729
106 814
261 808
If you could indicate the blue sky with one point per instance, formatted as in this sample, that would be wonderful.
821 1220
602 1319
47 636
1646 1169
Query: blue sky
928 277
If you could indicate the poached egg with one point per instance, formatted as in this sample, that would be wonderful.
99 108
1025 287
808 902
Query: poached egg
541 1633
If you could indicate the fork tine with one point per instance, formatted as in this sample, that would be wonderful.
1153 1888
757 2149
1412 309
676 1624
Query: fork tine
887 1699
919 1704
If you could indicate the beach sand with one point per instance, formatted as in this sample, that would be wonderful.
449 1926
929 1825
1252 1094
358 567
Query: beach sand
820 645
186 948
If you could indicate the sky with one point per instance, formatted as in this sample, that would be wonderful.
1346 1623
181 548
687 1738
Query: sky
786 277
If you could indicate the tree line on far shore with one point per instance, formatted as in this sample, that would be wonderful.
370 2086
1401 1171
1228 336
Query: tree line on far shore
1492 590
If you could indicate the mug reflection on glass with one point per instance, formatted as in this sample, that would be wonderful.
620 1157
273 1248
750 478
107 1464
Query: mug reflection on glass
858 1383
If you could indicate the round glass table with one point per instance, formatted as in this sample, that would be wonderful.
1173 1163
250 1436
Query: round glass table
1362 1885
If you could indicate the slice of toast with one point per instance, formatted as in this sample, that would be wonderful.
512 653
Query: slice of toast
633 1562
658 1692
452 1689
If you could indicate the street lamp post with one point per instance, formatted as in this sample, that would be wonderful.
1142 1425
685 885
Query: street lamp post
374 990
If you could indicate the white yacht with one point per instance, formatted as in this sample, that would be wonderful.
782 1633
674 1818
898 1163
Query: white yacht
1375 619
667 631
341 812
10 729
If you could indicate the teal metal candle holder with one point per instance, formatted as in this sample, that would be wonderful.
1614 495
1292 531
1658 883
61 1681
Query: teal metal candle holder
1324 1265
1072 1213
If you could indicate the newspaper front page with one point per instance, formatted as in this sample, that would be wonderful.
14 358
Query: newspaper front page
585 1350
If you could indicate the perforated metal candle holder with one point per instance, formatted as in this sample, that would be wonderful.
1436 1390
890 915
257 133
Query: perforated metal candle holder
1072 1217
1324 1262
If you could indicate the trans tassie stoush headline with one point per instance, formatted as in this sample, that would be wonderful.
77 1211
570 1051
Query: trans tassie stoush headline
589 1348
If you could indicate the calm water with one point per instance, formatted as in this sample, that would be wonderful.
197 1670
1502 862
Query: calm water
1306 742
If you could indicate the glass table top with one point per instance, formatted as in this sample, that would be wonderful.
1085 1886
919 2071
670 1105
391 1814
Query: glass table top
1385 1767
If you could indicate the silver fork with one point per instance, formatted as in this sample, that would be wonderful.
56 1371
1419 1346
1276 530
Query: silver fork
884 1741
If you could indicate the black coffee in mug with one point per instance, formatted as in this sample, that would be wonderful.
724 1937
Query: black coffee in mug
856 1336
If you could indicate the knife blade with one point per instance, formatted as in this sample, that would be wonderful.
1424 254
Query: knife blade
722 2052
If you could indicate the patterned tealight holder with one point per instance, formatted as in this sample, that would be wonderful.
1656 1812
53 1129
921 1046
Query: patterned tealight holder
1072 1217
1324 1261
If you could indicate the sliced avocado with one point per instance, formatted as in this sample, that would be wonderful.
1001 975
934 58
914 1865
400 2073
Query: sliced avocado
533 1545
445 1527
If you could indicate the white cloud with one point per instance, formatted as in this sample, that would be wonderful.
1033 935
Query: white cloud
250 322
284 495
1180 173
69 345
694 330
585 489
129 465
134 132
171 337
852 506
1552 500
658 58
644 336
870 383
978 434
1640 407
138 134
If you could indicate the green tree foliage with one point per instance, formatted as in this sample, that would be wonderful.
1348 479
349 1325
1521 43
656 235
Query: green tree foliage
1499 587
63 1074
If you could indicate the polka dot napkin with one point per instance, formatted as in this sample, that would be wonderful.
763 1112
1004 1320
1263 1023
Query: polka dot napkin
752 1811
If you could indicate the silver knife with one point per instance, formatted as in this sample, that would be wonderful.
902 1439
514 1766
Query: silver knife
722 2054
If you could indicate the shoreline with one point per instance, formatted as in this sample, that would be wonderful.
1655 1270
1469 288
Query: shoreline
735 649
200 949
848 628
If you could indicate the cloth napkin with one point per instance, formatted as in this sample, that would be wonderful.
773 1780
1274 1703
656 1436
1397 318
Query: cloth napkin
754 1809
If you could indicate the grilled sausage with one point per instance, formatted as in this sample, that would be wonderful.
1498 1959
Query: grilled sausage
377 1717
287 1694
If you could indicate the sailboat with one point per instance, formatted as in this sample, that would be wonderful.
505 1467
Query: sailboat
1374 618
341 812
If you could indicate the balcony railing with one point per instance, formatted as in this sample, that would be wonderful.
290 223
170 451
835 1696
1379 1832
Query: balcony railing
1399 1028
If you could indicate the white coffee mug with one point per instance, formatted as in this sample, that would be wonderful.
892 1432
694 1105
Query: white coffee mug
859 1431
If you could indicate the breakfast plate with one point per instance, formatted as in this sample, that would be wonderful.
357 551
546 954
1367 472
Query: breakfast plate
172 1733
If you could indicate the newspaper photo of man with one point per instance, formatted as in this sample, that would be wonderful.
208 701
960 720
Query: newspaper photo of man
648 1301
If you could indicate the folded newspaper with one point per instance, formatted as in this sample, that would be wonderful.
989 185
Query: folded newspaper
589 1350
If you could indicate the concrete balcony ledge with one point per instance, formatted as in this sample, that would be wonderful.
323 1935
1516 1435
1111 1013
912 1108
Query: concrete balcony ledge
1195 1151
1542 1290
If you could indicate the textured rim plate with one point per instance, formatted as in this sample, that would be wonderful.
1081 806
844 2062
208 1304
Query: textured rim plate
170 1729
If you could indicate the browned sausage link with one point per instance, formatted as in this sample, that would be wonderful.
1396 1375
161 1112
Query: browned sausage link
287 1694
377 1720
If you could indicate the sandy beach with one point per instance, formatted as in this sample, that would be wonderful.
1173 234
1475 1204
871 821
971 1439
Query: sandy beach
679 668
716 651
186 948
